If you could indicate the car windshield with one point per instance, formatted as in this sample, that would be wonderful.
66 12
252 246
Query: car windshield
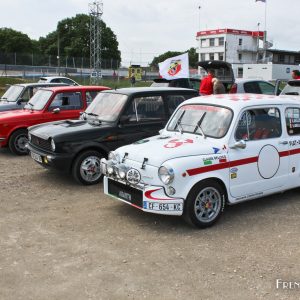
39 100
106 106
202 119
13 93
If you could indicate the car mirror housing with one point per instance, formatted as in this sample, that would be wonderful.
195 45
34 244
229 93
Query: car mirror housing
56 110
239 145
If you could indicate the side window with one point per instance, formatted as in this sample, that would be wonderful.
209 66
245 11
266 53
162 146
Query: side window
27 94
149 108
67 81
292 118
90 96
258 124
173 101
55 80
266 88
251 87
67 101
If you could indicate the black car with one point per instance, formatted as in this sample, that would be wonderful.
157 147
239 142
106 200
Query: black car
115 118
17 95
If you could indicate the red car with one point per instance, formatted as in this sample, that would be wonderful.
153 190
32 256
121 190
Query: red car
47 105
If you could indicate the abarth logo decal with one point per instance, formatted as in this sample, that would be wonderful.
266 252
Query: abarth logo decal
177 143
175 67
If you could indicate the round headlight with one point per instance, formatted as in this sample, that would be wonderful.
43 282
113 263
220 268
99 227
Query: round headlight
52 145
110 169
122 171
115 158
166 174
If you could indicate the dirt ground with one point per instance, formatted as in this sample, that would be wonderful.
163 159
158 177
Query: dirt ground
59 240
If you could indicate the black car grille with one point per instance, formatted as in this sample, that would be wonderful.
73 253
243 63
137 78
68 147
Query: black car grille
125 192
41 143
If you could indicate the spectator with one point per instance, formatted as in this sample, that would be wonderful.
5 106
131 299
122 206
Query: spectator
296 74
218 86
206 85
132 80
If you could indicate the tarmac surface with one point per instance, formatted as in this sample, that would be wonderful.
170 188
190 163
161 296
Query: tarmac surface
60 240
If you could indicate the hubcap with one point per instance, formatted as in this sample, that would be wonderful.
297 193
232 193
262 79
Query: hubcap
20 142
207 204
90 169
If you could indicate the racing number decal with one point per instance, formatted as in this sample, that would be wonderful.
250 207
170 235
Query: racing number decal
177 143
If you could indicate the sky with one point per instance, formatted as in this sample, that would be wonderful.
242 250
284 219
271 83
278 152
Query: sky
148 28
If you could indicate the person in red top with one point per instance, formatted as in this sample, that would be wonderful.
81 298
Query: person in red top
296 74
206 85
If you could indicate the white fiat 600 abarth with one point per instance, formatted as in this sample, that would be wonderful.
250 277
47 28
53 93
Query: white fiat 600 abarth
215 150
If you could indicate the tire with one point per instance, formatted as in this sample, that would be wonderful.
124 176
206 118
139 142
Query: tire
205 204
17 142
86 168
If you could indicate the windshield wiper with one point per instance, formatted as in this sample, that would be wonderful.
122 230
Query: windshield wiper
178 123
198 126
30 104
92 114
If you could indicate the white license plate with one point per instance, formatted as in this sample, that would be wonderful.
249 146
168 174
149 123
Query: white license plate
36 157
163 206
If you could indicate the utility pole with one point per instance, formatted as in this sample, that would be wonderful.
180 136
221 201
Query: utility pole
95 12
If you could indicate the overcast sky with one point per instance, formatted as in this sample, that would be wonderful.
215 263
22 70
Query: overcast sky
147 28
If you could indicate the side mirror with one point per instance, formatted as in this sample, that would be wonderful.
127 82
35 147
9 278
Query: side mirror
56 110
239 145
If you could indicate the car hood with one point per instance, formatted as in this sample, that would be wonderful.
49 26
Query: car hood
19 113
4 106
63 130
160 148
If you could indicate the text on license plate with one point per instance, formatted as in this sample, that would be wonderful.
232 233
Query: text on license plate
162 206
36 157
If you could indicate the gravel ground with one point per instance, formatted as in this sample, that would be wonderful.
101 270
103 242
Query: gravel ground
59 240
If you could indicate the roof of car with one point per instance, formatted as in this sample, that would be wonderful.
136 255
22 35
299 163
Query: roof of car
238 101
40 84
242 80
50 77
76 88
135 90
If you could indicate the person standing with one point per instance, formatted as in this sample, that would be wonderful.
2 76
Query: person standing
206 85
218 86
296 74
132 80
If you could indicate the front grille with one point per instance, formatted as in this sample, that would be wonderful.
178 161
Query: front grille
41 143
125 192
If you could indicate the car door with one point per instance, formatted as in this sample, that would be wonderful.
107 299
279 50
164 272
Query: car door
258 153
143 117
65 105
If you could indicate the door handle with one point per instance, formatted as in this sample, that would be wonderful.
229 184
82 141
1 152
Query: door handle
283 143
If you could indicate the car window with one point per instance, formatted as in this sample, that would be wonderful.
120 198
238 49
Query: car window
13 93
56 80
67 101
90 96
257 124
173 101
266 88
251 87
148 108
292 117
67 81
27 94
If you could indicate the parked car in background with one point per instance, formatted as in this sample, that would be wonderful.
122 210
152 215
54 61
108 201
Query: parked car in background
46 105
253 86
215 150
17 95
188 83
292 87
115 118
58 79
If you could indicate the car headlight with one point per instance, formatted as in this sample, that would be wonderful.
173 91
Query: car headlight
166 174
122 170
115 158
52 145
29 137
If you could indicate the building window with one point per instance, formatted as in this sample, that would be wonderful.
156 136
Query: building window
240 56
211 56
275 58
221 41
297 59
203 43
281 58
202 56
221 56
292 59
240 42
240 72
211 42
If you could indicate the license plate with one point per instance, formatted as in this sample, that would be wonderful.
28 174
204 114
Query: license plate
163 206
36 157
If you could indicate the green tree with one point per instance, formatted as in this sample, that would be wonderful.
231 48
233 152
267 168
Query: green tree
193 58
15 41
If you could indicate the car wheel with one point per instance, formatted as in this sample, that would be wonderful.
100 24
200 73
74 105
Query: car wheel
205 204
18 141
86 168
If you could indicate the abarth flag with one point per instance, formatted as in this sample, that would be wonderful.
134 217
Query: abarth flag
175 67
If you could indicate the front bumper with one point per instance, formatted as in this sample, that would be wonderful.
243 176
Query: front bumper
151 199
62 162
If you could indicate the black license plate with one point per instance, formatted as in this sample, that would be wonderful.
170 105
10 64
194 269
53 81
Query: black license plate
125 192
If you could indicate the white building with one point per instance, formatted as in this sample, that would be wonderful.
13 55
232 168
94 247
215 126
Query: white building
234 46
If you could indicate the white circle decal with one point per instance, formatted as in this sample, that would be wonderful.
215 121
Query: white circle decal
268 161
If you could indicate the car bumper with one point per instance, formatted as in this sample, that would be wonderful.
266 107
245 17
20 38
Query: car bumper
3 142
152 199
62 162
